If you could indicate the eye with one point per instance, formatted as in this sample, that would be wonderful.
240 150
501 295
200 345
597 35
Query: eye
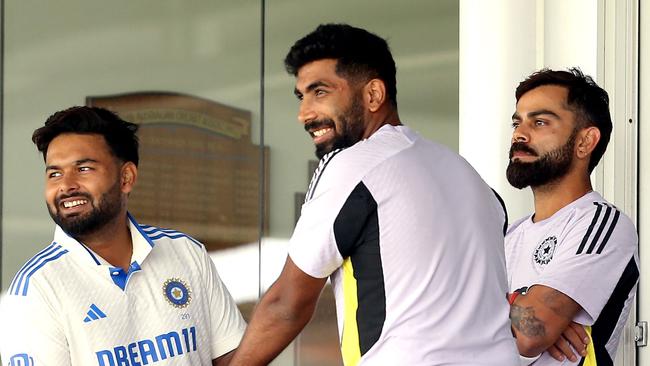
54 175
85 168
539 122
319 92
515 124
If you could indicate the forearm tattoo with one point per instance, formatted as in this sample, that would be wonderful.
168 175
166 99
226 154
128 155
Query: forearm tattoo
524 320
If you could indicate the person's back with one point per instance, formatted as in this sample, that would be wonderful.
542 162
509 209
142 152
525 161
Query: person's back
428 265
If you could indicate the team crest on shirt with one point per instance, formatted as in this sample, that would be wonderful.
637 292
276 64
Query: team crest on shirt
177 292
544 252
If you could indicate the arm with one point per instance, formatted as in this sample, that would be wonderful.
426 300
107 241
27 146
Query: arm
223 360
281 314
539 318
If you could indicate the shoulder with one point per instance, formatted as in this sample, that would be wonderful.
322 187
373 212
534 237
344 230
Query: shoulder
44 265
516 225
156 236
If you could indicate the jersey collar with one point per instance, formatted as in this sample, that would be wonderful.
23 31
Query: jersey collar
141 245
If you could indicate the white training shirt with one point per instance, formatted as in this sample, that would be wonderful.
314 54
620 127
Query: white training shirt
413 241
68 306
588 251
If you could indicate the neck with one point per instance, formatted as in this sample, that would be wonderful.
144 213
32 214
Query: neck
386 116
553 196
112 242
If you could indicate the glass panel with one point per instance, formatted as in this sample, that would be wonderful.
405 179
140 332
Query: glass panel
424 39
189 72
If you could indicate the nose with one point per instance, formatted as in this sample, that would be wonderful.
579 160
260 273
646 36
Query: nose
521 134
306 112
68 183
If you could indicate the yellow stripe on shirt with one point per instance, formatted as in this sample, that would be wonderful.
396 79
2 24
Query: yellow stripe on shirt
590 358
350 348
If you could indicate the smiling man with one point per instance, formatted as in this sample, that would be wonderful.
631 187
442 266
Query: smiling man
408 233
574 261
109 291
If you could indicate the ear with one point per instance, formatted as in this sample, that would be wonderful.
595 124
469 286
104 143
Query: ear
128 177
587 140
374 94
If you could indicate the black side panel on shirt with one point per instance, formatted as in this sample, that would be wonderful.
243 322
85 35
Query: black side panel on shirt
505 211
356 230
604 326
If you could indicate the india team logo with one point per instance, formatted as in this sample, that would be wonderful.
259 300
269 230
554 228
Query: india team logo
544 252
177 292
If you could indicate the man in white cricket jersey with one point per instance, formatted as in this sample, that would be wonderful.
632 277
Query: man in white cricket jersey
573 263
409 234
109 291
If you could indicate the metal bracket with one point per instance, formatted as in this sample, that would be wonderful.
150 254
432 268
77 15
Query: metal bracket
641 334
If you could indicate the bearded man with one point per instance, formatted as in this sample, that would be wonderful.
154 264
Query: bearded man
110 291
409 234
572 264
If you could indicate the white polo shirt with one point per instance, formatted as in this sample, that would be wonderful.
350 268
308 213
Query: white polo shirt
588 251
413 240
68 306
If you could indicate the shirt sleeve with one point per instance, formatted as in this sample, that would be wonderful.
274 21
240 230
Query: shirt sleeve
228 325
328 228
595 259
31 333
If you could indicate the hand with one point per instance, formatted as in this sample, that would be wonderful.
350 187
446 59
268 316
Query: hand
574 335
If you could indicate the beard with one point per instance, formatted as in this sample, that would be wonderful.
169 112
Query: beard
352 122
549 167
107 209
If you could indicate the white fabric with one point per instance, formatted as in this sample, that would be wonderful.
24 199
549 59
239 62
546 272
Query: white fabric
441 244
549 253
52 314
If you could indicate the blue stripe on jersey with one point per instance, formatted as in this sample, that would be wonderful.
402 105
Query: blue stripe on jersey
151 229
175 236
45 261
140 229
18 278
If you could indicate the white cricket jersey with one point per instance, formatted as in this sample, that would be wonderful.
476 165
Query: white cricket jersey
68 306
413 241
588 251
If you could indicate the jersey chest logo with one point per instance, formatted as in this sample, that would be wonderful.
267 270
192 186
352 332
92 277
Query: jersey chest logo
544 251
177 292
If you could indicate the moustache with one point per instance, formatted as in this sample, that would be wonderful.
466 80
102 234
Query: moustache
316 124
63 196
521 147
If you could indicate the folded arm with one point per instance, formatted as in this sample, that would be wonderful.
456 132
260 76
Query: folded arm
540 317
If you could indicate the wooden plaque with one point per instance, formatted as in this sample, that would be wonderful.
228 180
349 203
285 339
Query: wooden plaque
199 171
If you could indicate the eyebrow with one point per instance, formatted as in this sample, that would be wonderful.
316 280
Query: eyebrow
310 87
76 163
536 113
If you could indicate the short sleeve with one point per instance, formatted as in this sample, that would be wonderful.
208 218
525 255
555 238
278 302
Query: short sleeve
329 227
594 260
30 333
228 325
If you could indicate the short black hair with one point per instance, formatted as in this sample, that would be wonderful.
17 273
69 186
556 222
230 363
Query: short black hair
588 101
120 135
360 55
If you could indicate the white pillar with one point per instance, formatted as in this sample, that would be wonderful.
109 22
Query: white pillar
497 49
501 42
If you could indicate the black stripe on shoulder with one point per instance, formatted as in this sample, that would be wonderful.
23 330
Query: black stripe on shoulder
603 223
319 172
609 232
505 211
591 228
604 326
